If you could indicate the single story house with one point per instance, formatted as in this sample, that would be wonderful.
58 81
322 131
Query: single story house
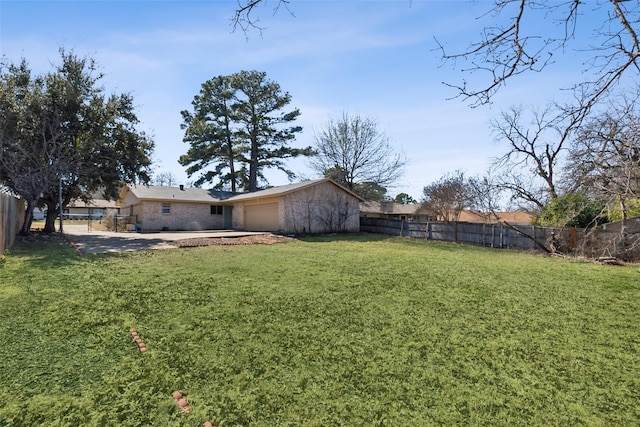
515 218
413 212
96 208
319 206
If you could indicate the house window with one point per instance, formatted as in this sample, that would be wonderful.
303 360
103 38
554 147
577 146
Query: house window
166 208
216 210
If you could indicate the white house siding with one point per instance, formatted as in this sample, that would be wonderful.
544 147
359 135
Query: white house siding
85 212
322 208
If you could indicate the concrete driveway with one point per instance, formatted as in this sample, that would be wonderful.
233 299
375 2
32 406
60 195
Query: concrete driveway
98 241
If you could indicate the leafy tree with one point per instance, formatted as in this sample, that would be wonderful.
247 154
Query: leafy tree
404 199
632 209
212 134
354 153
260 114
25 153
60 131
447 197
572 210
239 128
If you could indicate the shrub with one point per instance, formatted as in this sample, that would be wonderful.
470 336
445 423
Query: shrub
573 210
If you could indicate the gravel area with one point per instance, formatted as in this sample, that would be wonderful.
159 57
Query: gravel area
263 239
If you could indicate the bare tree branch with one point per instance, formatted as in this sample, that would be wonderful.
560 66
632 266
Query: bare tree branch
537 141
243 18
504 52
605 158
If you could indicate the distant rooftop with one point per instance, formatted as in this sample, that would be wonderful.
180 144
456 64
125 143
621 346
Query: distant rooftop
391 208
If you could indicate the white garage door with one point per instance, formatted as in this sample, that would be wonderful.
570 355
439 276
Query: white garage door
262 217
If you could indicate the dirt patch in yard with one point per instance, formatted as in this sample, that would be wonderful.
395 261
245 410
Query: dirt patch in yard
257 239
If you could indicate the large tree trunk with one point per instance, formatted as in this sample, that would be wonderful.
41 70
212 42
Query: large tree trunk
28 218
623 225
52 214
253 167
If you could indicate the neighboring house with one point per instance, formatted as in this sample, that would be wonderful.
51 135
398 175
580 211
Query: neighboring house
319 206
39 214
413 212
96 208
521 218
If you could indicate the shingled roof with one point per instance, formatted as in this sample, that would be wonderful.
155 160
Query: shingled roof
179 194
285 189
199 195
391 208
488 218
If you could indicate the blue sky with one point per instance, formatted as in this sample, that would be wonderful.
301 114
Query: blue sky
373 58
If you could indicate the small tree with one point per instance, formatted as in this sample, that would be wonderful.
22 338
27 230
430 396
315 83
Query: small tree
354 153
572 210
605 160
165 179
632 207
447 197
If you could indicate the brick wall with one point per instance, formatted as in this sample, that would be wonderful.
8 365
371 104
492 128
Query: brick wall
181 216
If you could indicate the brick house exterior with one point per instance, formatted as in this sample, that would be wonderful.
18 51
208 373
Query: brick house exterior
319 206
153 208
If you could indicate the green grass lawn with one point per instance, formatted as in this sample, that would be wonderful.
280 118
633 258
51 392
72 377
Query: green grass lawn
343 331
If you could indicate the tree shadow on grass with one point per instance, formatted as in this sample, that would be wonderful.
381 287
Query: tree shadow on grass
350 237
45 251
93 244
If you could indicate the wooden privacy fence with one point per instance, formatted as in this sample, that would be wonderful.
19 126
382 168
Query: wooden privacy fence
603 241
11 217
488 235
